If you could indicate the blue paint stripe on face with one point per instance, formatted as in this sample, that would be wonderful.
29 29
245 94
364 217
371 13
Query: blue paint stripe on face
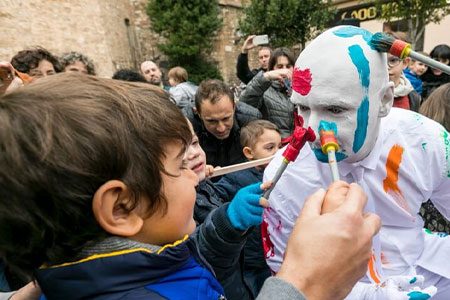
324 125
324 158
362 65
351 31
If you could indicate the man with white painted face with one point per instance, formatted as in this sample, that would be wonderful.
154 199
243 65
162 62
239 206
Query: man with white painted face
399 157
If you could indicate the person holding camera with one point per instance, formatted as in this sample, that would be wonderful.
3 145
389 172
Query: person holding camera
243 70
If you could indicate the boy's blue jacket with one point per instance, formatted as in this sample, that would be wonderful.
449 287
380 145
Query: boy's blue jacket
211 195
183 270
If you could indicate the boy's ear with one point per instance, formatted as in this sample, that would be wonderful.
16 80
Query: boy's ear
248 153
406 62
111 207
387 99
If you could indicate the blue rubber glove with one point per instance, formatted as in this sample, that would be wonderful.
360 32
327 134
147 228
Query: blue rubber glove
244 210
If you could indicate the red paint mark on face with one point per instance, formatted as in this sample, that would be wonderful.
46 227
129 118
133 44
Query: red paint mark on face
301 81
390 183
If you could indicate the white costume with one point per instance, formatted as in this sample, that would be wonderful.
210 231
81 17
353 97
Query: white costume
404 163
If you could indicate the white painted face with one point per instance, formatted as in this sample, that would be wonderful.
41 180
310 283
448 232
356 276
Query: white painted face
339 80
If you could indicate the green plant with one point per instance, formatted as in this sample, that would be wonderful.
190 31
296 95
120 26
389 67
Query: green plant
188 29
287 22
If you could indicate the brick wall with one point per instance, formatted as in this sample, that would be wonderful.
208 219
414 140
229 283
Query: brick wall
114 33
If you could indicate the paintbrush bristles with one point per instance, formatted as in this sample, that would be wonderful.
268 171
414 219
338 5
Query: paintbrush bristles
381 42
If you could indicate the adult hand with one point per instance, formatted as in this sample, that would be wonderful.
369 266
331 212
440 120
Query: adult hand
335 196
29 292
248 44
278 74
328 253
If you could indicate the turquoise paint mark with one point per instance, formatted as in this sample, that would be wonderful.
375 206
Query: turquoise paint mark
413 280
324 125
362 121
361 63
416 295
327 126
362 66
351 31
324 158
424 146
445 136
428 231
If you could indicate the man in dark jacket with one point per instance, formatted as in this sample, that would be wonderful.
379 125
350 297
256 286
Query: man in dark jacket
217 121
243 71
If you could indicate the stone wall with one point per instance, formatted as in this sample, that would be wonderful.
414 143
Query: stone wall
114 33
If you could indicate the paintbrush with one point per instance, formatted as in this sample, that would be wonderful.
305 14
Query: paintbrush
298 139
385 43
329 145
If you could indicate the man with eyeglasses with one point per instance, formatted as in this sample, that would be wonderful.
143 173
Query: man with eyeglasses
404 94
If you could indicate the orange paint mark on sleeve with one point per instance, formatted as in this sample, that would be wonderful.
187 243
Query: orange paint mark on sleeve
390 183
373 274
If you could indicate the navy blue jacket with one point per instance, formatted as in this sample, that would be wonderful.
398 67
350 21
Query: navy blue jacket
183 270
210 195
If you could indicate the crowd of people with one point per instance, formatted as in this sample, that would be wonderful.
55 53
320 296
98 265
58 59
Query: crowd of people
111 181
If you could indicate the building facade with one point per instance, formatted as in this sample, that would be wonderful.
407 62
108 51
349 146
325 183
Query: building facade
117 33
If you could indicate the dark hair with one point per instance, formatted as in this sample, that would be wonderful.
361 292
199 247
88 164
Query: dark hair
437 106
179 74
440 51
253 130
61 138
72 57
129 75
28 59
212 90
280 52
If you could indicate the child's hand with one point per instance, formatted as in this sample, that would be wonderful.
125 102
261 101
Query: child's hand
209 170
335 196
244 210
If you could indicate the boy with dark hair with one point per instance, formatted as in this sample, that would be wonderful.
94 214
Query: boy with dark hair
94 178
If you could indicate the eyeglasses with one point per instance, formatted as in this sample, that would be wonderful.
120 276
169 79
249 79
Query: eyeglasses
393 61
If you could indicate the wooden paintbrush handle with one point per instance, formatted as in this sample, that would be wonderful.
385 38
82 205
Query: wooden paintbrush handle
241 166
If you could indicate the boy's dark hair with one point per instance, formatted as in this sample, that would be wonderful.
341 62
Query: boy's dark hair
212 90
253 130
179 74
278 53
63 137
72 57
440 51
28 59
129 75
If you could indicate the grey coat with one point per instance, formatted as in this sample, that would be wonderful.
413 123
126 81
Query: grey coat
183 94
273 104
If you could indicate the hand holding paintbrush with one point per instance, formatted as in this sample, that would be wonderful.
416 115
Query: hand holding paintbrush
386 43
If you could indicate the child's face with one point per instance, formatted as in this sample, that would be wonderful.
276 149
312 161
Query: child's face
179 191
438 72
395 68
266 145
419 68
196 157
172 81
